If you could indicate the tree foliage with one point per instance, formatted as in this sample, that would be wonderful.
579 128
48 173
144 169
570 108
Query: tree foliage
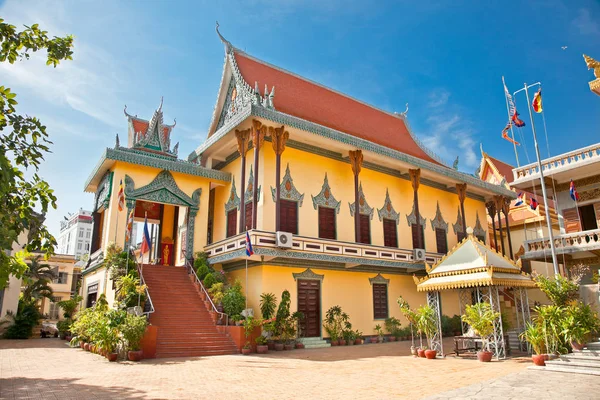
37 280
23 143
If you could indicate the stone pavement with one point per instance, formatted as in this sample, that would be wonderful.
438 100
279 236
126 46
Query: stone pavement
49 369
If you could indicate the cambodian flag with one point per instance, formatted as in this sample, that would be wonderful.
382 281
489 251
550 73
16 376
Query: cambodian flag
249 250
573 191
533 204
519 200
146 241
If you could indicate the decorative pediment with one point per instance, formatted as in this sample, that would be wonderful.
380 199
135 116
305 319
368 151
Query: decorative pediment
104 191
307 274
287 189
457 227
153 135
412 218
163 189
249 193
325 198
478 231
438 221
234 201
379 279
364 207
387 211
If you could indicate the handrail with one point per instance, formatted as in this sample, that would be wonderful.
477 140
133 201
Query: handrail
189 267
143 282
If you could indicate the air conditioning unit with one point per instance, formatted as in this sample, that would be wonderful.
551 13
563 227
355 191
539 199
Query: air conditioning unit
419 254
284 240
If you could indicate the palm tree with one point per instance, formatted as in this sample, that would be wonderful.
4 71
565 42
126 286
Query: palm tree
37 279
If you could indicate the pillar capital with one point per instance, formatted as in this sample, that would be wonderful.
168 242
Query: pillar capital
279 137
491 208
356 160
500 203
258 133
415 178
242 137
461 189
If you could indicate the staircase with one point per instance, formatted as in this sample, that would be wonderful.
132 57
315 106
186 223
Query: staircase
185 326
314 343
586 361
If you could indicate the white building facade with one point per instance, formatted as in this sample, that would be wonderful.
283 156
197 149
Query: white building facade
76 234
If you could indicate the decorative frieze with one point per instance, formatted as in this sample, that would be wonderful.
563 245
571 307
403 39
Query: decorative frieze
288 190
234 201
586 195
438 221
325 198
387 211
364 207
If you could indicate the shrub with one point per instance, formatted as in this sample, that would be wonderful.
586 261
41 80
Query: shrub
268 304
70 306
64 326
283 312
481 318
27 317
202 271
234 300
129 291
209 280
133 331
216 292
392 325
560 290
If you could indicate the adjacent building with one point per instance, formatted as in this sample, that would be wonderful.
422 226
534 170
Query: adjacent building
64 286
75 234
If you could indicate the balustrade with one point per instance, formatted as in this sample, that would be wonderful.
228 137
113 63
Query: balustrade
585 240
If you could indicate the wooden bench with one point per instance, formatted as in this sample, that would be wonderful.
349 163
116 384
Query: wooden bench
464 344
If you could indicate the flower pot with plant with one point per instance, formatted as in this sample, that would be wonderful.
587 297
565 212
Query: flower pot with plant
426 324
392 326
133 330
480 318
247 349
534 335
379 332
358 337
261 345
334 318
578 324
411 317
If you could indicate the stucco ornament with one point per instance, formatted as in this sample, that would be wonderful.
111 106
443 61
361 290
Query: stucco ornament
325 198
364 207
387 211
287 189
233 202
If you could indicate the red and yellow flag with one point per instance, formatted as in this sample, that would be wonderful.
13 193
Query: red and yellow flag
129 227
506 137
537 102
121 196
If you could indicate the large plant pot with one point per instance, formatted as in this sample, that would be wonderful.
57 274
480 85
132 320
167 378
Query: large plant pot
335 342
299 345
350 343
112 357
342 342
288 346
392 338
68 338
278 346
271 345
262 348
358 341
135 355
539 359
577 346
421 353
374 339
484 356
82 345
86 346
430 354
246 351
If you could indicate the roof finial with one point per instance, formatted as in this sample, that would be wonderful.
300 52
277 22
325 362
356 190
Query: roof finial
223 40
161 104
174 123
404 113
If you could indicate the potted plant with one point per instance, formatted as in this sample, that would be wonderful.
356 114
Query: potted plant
379 331
247 349
269 332
392 326
534 335
133 330
261 345
233 298
578 324
426 324
480 318
108 341
268 304
63 328
411 317
297 317
333 324
358 337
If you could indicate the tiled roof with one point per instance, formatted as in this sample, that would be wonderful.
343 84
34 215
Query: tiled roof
504 169
310 101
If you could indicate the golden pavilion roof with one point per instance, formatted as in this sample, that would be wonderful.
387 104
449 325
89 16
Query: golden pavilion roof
471 263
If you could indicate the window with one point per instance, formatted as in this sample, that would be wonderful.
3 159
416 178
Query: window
390 233
87 246
441 240
288 212
54 308
415 237
87 234
79 246
365 229
232 222
380 301
249 210
327 223
81 233
62 277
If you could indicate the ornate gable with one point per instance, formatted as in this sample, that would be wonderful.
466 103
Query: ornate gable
364 207
478 231
325 198
438 220
457 227
163 189
153 135
287 189
249 193
412 218
234 201
387 211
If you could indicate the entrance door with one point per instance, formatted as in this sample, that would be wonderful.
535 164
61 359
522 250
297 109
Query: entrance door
309 303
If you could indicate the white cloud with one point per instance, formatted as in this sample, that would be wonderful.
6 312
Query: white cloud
438 98
585 23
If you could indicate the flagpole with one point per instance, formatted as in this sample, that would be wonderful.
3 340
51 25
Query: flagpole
512 132
543 184
117 225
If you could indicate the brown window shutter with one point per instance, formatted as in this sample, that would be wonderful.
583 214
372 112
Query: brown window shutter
597 211
441 240
327 223
571 220
365 229
248 216
232 222
380 301
390 233
289 216
415 237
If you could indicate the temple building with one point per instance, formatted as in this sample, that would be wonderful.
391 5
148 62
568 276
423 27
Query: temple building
341 201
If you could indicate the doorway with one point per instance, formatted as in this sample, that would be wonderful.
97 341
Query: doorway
309 303
588 217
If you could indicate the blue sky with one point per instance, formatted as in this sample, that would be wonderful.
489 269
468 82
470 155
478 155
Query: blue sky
445 59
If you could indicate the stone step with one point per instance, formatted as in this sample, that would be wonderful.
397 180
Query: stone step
574 364
555 368
593 346
587 353
316 345
590 358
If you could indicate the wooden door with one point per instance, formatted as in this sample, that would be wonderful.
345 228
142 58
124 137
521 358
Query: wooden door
415 237
571 220
326 223
232 222
309 303
440 238
248 216
390 236
365 229
289 216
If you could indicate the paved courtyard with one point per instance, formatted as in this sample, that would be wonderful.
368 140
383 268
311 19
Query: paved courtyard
49 369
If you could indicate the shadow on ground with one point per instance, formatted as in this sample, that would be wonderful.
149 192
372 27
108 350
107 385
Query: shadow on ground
26 388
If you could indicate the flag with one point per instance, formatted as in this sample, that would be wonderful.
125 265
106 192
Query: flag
533 203
509 99
537 102
573 191
506 137
516 120
129 227
249 250
146 241
121 196
519 200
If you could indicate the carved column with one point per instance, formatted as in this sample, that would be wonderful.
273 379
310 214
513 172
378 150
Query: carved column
506 210
491 208
242 141
415 179
499 200
356 160
279 137
461 189
189 239
258 136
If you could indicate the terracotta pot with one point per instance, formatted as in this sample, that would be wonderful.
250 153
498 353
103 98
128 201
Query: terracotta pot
374 339
112 357
246 351
335 342
271 345
68 338
484 356
135 355
299 345
86 346
392 338
262 348
81 344
430 354
342 342
278 346
358 341
539 359
288 347
577 346
421 353
350 343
